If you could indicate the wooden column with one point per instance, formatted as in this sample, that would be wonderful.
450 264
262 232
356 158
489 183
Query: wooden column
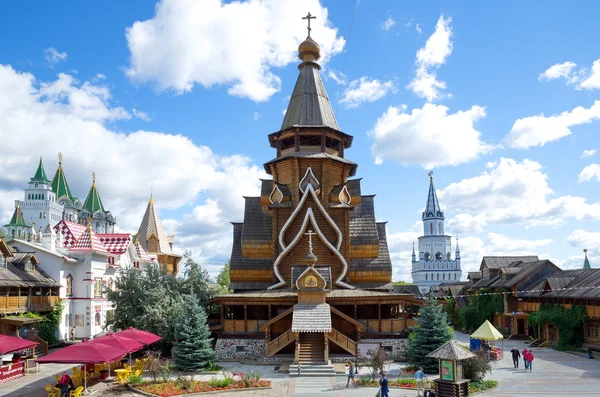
278 145
323 143
297 142
379 316
326 349
297 355
245 318
269 312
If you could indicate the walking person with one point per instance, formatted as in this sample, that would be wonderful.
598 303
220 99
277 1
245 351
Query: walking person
486 349
524 354
530 359
351 375
516 355
299 369
383 386
419 378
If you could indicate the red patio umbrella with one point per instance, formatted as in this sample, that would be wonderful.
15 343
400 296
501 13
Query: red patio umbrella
120 342
84 353
9 344
144 337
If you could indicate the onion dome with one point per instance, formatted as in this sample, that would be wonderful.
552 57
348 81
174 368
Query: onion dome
309 50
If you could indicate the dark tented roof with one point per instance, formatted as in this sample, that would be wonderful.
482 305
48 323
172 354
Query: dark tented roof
497 262
382 262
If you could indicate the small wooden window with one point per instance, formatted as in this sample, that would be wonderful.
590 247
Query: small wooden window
69 285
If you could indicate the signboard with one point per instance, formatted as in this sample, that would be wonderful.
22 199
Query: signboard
447 370
12 371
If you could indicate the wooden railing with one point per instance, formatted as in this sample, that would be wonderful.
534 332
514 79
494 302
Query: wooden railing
393 325
23 303
342 341
42 344
595 341
280 342
233 326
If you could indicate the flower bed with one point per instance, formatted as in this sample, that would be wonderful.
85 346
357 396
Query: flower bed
183 386
475 387
405 383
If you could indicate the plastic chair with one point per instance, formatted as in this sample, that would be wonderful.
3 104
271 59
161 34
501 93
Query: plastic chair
52 391
77 392
57 377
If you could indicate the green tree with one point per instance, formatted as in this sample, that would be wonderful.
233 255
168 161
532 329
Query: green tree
401 283
2 233
147 300
431 332
193 347
223 281
481 307
196 280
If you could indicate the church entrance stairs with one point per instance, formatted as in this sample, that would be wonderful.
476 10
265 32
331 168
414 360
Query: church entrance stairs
311 348
342 341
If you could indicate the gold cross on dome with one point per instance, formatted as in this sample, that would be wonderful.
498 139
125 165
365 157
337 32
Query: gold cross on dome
309 17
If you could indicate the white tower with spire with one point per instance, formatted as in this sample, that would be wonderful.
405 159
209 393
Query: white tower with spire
435 265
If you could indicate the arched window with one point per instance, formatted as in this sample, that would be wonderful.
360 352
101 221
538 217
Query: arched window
431 228
43 196
427 256
425 276
438 256
443 276
69 285
40 215
98 318
440 228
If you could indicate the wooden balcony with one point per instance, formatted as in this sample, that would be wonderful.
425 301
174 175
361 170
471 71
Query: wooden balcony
387 326
10 304
245 326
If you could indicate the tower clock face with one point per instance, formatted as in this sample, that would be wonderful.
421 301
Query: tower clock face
310 282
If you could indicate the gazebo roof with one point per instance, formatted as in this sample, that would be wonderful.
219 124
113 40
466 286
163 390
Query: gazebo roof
451 351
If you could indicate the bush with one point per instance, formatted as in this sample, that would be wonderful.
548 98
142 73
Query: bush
503 330
484 385
476 367
135 379
220 382
212 367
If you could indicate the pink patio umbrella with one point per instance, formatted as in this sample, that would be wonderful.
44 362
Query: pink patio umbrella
120 341
144 337
9 344
84 353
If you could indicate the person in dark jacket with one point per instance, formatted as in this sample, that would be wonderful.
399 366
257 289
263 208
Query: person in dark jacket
65 385
383 386
516 355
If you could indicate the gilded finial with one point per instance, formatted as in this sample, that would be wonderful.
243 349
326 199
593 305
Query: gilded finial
151 201
89 219
137 239
60 158
585 250
94 177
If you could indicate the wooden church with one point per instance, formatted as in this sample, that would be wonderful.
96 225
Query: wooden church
310 269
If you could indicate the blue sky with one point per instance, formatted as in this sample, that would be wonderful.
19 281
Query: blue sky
180 96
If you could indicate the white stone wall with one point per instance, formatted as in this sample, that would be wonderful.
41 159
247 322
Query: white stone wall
396 347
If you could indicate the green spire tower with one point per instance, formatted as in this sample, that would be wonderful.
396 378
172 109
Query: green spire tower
40 174
59 183
93 202
586 262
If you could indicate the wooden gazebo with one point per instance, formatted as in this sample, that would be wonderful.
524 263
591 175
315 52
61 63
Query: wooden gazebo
451 382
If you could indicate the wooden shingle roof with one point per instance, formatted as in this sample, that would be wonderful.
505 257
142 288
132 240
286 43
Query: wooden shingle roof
311 318
451 351
363 227
237 261
15 274
382 262
257 223
497 262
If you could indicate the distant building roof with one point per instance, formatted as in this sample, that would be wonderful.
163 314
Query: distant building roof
497 262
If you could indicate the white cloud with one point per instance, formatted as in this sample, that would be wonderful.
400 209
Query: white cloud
559 70
582 77
388 24
588 173
429 137
53 57
70 117
584 239
429 58
465 224
515 192
338 77
141 115
365 89
255 116
588 153
418 28
236 44
539 130
592 81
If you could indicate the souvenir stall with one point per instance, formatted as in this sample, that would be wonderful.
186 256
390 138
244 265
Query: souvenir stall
12 365
485 339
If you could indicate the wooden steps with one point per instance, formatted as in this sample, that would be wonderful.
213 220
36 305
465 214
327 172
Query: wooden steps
324 369
311 349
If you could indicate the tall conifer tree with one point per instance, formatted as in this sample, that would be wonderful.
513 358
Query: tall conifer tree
431 332
193 348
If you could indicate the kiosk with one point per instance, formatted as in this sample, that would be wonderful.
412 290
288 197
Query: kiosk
487 334
451 382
